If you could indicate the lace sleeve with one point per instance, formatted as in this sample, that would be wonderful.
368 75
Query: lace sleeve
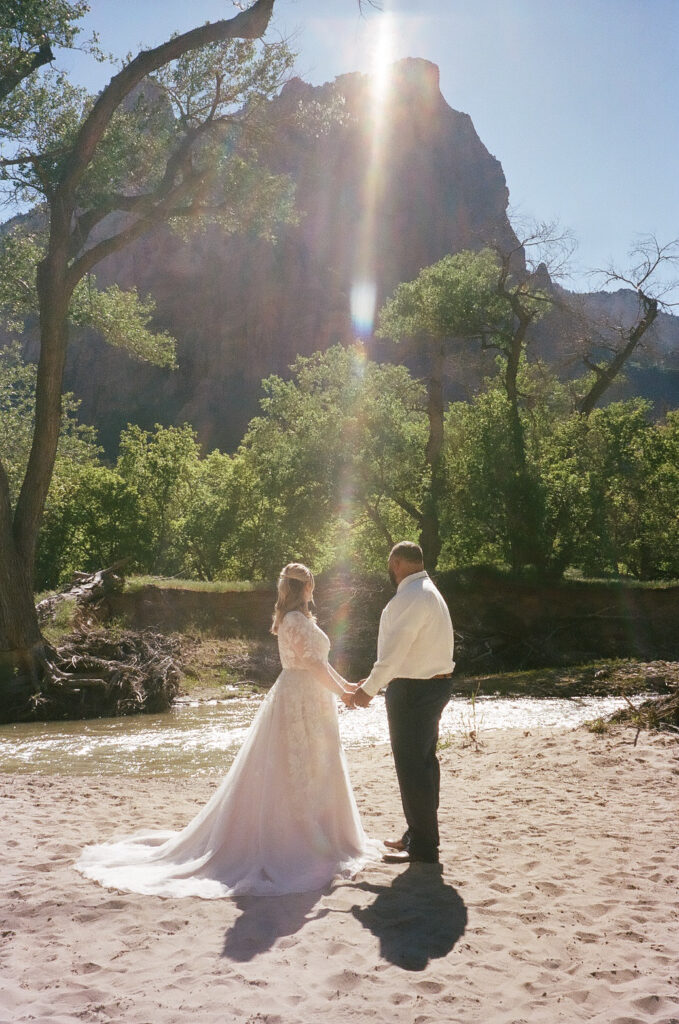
300 639
306 646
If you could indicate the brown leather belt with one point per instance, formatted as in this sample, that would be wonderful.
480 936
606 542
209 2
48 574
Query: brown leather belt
443 675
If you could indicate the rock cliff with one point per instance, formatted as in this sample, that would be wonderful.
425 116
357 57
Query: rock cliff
380 194
242 308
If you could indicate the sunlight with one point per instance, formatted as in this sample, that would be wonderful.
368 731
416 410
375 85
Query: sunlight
363 300
364 288
381 59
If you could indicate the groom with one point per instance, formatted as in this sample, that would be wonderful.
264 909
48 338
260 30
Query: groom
415 664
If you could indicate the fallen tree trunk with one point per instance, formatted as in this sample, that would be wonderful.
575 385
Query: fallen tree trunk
90 592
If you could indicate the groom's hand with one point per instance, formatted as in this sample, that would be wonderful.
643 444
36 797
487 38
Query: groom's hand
361 698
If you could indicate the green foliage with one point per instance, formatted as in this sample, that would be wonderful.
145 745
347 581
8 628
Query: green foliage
204 116
609 483
628 510
25 26
333 471
77 443
208 520
478 477
161 465
122 318
30 29
20 252
454 298
92 519
323 474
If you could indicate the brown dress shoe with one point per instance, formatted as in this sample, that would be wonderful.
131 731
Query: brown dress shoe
395 844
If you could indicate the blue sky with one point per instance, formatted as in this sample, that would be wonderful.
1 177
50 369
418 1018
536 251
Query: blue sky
577 99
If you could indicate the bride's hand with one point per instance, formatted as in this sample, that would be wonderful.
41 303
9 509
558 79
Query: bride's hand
348 698
352 687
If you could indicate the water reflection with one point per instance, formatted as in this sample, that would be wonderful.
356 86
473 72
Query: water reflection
199 739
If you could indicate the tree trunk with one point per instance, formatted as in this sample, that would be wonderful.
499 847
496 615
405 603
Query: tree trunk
430 533
524 505
22 647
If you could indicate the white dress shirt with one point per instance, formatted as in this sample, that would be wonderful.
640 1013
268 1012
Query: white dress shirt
415 639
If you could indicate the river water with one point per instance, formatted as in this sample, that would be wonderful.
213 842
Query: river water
204 738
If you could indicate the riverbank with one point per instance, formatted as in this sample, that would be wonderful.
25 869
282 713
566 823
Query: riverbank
556 903
217 668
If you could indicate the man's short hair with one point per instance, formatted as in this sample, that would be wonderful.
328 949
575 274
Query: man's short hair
409 551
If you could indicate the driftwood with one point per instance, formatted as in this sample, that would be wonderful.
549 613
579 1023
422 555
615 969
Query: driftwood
660 713
101 672
94 671
89 593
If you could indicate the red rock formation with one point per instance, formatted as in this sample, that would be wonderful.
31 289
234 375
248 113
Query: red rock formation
242 308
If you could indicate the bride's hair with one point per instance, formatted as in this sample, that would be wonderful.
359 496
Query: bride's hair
291 585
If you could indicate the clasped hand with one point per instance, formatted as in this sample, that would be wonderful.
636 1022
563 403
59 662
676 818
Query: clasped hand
354 697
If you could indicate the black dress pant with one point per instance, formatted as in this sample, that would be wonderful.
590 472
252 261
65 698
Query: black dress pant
414 708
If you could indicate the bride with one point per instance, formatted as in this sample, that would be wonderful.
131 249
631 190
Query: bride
284 819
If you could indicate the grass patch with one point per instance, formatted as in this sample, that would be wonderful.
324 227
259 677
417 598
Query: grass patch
134 583
214 666
595 678
575 576
599 726
62 623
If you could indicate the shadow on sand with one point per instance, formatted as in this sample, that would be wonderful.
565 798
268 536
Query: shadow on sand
264 919
417 918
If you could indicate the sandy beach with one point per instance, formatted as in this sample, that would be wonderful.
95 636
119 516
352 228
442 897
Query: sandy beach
557 901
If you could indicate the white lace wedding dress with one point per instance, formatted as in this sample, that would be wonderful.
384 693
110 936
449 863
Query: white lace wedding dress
283 820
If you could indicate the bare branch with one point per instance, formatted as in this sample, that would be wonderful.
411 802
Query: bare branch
645 275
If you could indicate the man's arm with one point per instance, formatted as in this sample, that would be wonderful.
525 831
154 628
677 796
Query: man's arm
398 633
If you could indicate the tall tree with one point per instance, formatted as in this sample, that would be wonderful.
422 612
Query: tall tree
447 303
492 297
106 170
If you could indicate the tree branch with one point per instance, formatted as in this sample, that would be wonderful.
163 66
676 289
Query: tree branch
149 213
249 24
407 507
376 518
606 375
11 79
144 202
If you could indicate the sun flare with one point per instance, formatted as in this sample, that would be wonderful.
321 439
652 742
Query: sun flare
382 58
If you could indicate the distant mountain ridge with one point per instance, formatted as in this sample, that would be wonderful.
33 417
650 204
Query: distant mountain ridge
242 308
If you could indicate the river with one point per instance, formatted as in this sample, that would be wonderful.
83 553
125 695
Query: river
203 738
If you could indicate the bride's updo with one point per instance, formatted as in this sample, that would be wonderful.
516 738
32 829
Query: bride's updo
292 582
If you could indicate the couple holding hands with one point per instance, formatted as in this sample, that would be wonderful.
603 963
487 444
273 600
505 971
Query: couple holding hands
284 819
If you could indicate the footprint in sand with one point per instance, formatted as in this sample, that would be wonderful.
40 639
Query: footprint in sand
648 1004
345 981
433 987
87 968
550 889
